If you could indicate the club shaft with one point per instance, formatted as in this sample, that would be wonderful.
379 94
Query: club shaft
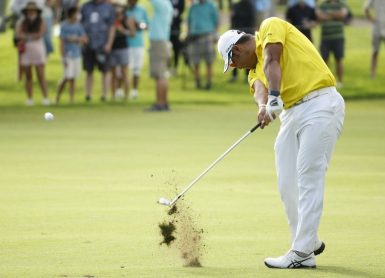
214 163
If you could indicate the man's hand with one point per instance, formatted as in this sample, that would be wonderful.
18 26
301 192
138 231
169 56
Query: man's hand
263 118
274 106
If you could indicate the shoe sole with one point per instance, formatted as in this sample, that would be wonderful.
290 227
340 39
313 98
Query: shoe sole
302 266
320 250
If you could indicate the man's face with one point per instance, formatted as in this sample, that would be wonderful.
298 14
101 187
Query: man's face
243 57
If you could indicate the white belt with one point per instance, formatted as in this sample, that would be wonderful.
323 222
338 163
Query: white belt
312 95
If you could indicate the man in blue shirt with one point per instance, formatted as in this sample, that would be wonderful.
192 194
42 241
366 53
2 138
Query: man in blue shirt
98 19
202 26
160 51
136 43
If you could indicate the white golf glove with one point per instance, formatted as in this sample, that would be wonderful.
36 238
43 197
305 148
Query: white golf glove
274 106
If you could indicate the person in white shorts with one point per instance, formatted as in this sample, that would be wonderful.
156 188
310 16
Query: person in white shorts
72 36
136 43
289 79
378 34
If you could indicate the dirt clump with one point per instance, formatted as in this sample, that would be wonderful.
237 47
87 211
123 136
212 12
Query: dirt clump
181 229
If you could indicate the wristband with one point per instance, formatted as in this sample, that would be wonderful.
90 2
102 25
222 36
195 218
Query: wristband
274 93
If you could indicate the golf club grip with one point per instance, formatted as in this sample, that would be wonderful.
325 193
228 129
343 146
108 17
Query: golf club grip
254 128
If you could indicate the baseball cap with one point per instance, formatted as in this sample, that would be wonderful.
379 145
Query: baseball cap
225 44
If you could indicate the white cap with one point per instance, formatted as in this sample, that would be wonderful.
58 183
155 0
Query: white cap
225 44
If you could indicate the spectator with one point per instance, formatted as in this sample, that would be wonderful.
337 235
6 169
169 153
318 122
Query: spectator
72 36
118 59
160 51
178 6
378 34
203 22
332 15
243 18
98 21
302 16
136 43
48 16
29 35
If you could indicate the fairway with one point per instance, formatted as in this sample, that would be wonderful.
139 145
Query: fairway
78 194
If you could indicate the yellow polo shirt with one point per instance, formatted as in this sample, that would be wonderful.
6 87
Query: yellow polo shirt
303 69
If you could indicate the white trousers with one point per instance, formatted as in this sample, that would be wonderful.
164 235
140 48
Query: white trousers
303 149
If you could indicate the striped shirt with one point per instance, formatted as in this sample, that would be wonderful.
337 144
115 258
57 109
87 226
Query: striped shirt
332 29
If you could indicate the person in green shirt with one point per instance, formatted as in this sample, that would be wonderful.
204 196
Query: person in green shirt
332 15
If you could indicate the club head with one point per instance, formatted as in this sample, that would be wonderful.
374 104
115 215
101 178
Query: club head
164 201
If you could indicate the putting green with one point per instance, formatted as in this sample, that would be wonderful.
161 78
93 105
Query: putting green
78 194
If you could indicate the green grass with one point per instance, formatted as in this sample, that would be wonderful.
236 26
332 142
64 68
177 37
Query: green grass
78 194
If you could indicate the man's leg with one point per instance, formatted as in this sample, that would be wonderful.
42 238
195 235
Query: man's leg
373 65
161 91
89 85
317 139
286 149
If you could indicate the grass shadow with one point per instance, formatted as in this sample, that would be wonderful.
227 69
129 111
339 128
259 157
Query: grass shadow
340 270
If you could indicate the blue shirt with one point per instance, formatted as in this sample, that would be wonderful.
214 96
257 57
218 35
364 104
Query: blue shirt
310 3
97 18
67 30
202 18
160 24
140 16
262 5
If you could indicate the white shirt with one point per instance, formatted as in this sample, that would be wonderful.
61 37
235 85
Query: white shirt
379 22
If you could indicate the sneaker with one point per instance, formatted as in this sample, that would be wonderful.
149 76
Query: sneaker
134 94
320 247
46 102
119 93
291 260
158 108
29 102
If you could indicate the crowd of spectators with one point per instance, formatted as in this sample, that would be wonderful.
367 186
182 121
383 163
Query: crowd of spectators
109 35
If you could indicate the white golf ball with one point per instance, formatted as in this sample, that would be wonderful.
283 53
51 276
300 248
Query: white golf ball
48 116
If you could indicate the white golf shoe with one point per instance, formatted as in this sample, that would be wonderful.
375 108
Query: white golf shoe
320 247
291 260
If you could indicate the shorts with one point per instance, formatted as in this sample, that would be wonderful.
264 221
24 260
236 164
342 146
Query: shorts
160 54
376 41
335 46
135 59
72 67
118 57
201 48
92 58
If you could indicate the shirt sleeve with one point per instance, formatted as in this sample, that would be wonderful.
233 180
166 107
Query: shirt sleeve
273 31
256 74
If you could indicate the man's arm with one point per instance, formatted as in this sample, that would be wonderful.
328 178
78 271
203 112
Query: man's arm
367 10
273 73
110 40
260 98
272 67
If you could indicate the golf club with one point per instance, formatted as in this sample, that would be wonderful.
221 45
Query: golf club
164 201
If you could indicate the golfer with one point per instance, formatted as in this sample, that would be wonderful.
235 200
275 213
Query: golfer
289 79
